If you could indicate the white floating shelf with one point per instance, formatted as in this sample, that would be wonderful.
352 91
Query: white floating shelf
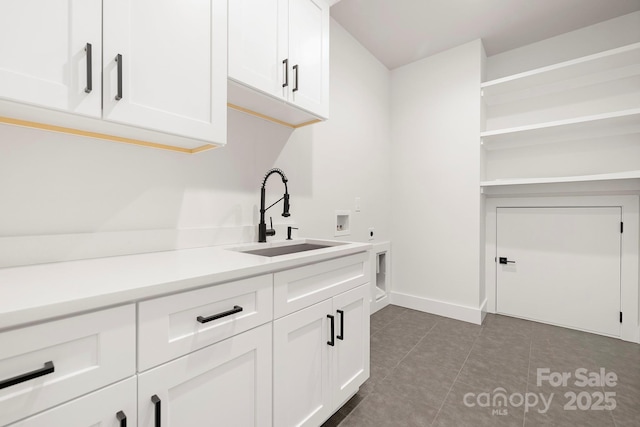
553 180
618 122
602 61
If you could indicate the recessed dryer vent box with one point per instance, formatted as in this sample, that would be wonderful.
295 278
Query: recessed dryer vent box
342 223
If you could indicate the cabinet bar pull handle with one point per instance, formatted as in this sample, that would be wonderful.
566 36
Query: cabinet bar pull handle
286 72
295 68
156 402
341 335
89 87
122 418
119 61
332 341
47 369
236 309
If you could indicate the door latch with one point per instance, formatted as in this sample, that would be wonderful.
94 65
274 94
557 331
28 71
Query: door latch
505 261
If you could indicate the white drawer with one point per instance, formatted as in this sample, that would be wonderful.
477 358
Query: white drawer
301 287
112 406
169 326
86 352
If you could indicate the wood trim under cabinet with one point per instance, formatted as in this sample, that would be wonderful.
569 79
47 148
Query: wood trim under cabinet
71 131
271 119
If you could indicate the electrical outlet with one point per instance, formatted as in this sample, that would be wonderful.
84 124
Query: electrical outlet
370 233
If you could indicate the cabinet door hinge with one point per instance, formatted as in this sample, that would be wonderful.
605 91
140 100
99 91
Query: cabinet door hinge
620 317
621 227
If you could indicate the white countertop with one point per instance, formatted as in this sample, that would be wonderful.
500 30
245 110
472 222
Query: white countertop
34 293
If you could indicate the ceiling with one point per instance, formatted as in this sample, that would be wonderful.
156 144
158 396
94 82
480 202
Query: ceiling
398 32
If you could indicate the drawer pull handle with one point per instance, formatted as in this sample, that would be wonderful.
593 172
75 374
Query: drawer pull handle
341 335
119 62
122 418
156 402
89 87
47 369
332 341
236 309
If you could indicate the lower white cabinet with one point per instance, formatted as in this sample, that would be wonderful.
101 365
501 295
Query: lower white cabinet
113 406
350 365
321 357
225 384
50 363
210 356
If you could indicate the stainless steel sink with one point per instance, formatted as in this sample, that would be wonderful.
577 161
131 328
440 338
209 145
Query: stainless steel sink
288 249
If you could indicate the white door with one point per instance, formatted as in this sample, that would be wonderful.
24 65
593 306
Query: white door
562 266
226 384
112 406
301 393
258 44
45 47
350 364
172 66
309 55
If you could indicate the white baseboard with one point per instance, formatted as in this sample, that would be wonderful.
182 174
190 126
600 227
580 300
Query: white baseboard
441 308
379 304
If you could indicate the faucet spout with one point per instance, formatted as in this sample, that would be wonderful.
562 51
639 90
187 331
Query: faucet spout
263 232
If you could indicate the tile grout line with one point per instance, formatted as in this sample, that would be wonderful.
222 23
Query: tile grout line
456 378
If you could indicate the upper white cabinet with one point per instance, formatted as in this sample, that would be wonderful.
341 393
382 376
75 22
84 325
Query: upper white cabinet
309 55
573 121
51 53
151 73
171 66
279 51
258 44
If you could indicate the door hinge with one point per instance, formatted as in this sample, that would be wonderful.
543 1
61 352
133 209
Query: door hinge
621 227
620 317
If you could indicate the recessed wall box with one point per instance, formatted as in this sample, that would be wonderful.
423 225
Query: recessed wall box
342 223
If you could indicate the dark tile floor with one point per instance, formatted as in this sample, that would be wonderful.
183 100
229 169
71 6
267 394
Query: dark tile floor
428 370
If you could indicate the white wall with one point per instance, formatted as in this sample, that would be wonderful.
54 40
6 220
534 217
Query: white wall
67 197
436 202
574 44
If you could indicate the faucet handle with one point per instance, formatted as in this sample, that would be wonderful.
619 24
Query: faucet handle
289 232
271 231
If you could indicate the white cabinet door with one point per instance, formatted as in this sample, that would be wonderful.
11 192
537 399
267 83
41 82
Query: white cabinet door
350 356
172 66
560 266
43 56
280 48
113 406
309 55
225 384
301 389
258 44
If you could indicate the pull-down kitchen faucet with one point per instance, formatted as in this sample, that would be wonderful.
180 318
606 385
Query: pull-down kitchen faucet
263 232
